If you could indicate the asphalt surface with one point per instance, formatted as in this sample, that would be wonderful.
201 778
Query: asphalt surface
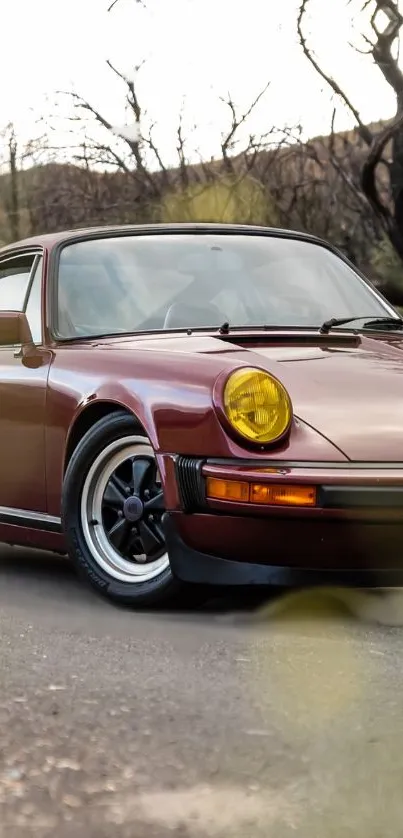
214 723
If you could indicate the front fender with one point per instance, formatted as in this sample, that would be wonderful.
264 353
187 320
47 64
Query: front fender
174 407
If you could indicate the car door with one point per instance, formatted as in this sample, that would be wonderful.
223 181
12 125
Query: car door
23 382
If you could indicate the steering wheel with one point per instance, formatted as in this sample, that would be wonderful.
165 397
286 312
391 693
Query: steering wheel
294 305
182 315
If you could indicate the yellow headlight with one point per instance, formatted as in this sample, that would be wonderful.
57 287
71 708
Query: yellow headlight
257 406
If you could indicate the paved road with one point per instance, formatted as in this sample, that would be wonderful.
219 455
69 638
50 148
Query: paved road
122 724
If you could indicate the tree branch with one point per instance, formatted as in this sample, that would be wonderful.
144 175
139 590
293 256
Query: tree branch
227 143
363 129
82 103
115 2
374 157
385 40
180 148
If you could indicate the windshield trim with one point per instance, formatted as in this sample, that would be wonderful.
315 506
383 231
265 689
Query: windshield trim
186 230
246 331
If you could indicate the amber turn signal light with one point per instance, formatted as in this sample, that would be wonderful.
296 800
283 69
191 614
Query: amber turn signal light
227 490
260 493
283 495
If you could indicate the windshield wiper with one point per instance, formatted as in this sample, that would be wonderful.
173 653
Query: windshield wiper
384 322
325 328
376 323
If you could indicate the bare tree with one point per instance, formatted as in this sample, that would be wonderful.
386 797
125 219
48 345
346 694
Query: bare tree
384 159
132 149
16 158
118 146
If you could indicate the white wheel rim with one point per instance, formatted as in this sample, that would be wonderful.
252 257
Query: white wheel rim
109 559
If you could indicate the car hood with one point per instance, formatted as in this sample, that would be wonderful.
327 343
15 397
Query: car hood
348 388
352 395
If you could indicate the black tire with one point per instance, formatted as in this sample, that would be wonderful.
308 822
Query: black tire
164 588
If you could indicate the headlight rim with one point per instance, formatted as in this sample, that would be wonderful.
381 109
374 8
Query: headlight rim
231 430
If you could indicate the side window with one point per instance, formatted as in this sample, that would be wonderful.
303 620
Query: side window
14 280
33 308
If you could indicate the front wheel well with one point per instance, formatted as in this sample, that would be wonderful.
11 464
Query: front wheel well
89 417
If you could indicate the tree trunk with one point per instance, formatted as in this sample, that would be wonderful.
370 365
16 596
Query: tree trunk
14 211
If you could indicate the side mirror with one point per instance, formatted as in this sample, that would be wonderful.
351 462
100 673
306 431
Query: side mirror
14 329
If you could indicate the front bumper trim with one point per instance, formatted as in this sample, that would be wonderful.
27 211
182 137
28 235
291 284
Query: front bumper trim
360 497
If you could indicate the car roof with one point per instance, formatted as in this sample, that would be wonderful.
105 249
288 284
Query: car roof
50 240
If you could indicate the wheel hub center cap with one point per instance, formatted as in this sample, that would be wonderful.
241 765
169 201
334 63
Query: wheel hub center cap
133 509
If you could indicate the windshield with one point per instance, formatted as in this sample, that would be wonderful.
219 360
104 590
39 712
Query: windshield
165 281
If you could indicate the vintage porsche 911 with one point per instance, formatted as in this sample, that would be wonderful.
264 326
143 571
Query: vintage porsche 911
209 404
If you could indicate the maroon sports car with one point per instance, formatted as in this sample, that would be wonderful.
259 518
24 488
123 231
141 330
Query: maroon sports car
206 404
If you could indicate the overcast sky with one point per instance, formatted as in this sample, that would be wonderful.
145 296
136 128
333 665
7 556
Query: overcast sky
195 51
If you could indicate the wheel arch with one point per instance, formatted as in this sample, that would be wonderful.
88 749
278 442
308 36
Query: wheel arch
88 417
